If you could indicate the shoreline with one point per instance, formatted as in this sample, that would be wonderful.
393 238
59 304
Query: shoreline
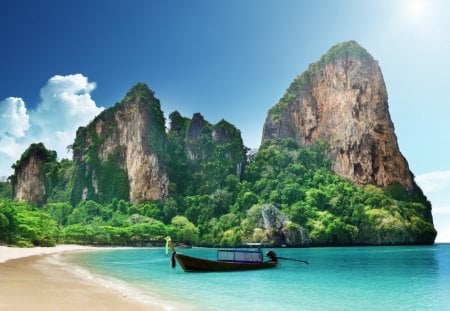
9 253
39 279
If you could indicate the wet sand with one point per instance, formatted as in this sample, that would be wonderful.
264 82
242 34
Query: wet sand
38 282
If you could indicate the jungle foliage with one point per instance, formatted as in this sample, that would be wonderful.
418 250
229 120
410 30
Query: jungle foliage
213 203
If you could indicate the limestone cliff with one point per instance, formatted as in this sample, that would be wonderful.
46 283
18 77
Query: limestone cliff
342 100
201 133
198 127
201 154
29 180
119 154
271 226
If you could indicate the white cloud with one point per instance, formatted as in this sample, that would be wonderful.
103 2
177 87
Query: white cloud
441 222
65 105
434 181
436 186
10 147
441 219
14 120
10 150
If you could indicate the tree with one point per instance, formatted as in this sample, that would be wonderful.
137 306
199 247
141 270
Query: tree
36 227
185 231
59 211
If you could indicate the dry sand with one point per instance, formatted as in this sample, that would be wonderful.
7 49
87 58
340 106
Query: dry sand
30 279
8 253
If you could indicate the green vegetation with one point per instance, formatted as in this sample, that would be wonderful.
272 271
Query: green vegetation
103 180
344 49
61 176
199 164
35 149
23 225
332 209
296 181
5 189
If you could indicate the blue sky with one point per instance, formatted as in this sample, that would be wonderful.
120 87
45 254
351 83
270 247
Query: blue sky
63 61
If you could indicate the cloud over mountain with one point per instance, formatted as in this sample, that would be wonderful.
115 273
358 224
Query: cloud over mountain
65 105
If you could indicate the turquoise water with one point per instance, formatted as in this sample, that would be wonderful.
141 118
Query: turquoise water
345 278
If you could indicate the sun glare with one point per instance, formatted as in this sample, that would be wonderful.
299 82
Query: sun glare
417 10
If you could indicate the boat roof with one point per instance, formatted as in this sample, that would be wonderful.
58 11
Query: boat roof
240 256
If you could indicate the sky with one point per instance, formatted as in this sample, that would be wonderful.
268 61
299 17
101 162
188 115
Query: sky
63 62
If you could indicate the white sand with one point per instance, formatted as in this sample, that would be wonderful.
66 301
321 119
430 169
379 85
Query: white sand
8 253
31 280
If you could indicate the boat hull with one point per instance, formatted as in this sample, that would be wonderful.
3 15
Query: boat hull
193 264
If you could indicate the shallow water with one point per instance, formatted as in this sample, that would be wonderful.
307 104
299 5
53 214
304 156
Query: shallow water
344 278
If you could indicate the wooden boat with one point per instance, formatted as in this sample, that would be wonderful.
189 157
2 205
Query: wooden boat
227 260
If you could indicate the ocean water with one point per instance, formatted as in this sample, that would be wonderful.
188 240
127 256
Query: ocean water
344 278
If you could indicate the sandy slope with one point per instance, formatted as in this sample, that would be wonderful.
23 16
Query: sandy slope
31 279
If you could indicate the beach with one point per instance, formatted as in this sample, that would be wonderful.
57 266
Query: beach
33 279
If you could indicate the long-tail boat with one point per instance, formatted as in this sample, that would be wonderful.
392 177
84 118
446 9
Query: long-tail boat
227 260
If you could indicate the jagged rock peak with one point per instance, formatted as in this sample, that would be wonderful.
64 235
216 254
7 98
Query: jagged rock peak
177 122
38 151
28 181
196 127
141 91
342 100
124 144
225 131
345 51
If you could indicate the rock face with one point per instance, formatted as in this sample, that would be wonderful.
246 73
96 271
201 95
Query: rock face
342 100
223 133
28 181
202 154
119 154
29 184
273 227
197 127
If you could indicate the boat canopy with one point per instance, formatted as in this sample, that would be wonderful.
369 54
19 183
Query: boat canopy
240 256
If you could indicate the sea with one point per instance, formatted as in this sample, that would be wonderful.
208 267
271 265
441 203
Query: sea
337 278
